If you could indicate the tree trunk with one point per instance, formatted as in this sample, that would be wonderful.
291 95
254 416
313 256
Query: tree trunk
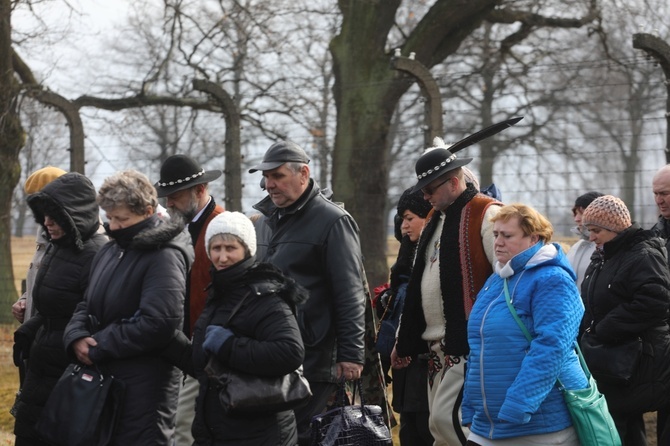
366 92
11 141
360 167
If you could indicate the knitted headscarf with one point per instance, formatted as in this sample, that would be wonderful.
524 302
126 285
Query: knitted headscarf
235 223
607 212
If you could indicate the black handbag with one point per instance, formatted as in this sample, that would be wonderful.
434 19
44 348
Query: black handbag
611 363
83 408
241 392
349 425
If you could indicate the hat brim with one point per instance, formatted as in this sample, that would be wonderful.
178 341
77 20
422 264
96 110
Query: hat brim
425 181
268 166
164 191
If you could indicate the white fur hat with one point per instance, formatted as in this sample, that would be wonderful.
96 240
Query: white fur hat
235 223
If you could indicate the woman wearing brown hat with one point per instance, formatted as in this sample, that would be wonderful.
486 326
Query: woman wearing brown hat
626 338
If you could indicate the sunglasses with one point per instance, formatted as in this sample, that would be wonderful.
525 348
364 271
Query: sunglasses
431 190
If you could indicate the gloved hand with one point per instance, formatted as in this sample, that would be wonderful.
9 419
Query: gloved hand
21 349
215 337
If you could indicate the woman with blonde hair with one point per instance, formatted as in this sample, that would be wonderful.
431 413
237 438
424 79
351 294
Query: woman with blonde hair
511 395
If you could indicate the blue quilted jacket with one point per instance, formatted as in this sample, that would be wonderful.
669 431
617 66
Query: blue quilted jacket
510 385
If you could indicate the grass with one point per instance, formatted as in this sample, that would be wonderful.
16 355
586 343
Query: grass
9 383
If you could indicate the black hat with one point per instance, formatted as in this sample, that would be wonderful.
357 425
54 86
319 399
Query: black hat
437 161
180 172
279 153
583 201
414 202
440 159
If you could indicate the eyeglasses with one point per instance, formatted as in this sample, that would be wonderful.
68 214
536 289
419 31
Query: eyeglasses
431 190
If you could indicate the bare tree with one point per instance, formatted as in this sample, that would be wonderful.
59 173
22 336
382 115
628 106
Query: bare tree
46 144
364 84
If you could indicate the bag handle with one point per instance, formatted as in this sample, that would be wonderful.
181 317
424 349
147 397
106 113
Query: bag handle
526 333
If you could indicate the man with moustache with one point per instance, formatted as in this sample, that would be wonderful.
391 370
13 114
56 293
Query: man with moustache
184 184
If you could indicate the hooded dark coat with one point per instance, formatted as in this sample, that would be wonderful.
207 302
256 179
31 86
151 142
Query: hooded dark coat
59 286
133 307
626 293
267 341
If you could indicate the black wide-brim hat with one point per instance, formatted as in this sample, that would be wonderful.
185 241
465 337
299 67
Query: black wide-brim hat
180 172
442 159
434 164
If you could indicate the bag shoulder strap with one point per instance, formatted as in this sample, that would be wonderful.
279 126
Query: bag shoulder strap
515 315
525 331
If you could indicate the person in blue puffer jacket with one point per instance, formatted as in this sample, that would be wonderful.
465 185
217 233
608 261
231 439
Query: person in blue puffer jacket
511 395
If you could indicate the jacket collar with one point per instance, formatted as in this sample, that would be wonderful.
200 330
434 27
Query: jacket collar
268 208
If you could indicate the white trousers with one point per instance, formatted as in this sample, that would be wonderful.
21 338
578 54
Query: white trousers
186 411
446 377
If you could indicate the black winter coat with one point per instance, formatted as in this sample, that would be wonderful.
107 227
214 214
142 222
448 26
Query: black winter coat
59 286
316 243
267 342
133 307
626 293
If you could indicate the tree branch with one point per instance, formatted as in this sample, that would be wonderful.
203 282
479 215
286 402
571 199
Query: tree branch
141 100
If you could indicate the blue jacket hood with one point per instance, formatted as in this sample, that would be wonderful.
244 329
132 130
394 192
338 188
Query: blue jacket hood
537 255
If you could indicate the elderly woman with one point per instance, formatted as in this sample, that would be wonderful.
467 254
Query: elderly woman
248 325
511 396
626 293
67 211
133 306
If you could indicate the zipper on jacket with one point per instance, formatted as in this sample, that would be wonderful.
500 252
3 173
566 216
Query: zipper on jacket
481 368
589 297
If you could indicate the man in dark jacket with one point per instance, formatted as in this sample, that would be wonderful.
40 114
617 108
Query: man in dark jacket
661 188
315 242
183 183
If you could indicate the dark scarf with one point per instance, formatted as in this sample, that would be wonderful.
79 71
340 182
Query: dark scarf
124 237
402 268
451 284
230 278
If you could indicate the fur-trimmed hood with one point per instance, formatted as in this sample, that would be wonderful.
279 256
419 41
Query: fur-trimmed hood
70 201
265 277
262 278
155 233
